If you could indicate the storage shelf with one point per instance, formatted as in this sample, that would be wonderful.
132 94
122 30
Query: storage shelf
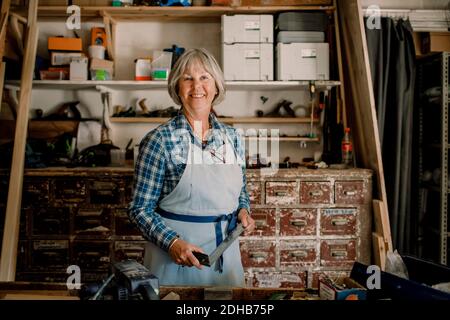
284 139
224 120
148 85
144 12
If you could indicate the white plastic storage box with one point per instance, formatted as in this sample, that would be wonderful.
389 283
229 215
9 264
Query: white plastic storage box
247 61
249 28
303 61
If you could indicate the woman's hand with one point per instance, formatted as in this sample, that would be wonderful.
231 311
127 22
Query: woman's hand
247 222
181 253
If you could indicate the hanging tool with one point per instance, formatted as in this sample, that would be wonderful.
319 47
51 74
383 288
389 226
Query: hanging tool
312 90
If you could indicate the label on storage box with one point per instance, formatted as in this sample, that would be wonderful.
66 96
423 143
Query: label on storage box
252 54
326 291
308 53
251 25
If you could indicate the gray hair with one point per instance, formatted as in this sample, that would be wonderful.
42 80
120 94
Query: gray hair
211 66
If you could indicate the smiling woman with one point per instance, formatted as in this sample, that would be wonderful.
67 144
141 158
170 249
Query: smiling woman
183 205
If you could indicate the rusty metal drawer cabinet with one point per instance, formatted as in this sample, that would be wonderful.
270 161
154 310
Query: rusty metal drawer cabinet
338 221
106 192
277 279
124 250
254 190
50 221
69 191
92 221
294 253
265 224
337 253
282 193
36 192
322 225
314 192
258 254
350 192
91 255
298 222
49 254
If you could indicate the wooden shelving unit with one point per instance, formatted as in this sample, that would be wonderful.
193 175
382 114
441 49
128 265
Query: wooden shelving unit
225 120
148 85
284 139
144 12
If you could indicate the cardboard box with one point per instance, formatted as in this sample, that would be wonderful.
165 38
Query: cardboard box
341 289
101 69
79 69
64 58
435 42
64 44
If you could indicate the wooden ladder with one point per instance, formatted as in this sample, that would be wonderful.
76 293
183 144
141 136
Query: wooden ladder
8 258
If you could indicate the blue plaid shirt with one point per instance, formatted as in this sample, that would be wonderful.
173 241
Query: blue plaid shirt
160 164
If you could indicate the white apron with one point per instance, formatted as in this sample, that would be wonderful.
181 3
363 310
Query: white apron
205 190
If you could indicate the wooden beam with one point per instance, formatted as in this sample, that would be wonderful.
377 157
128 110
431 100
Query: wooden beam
360 97
16 33
379 250
2 79
4 13
13 208
109 38
341 100
382 225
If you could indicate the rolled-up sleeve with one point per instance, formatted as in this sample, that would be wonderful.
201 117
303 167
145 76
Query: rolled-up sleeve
148 183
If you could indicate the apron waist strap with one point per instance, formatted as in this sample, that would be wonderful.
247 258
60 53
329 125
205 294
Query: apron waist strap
231 218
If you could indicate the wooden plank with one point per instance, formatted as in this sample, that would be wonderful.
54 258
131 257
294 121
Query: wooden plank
2 79
16 33
229 120
341 100
359 96
4 13
143 12
109 37
382 225
35 296
379 250
13 208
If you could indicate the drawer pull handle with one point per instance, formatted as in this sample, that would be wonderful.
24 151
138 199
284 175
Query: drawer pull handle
90 213
349 193
280 193
298 223
316 193
338 222
339 253
258 255
104 192
299 254
260 224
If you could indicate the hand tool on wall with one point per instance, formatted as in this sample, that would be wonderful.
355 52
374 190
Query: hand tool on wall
312 91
